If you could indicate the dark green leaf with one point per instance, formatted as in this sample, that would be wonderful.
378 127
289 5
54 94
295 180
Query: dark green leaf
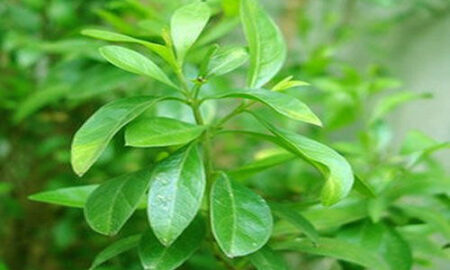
134 62
155 256
115 249
71 197
227 60
241 220
176 192
95 134
113 202
266 44
160 131
186 25
267 259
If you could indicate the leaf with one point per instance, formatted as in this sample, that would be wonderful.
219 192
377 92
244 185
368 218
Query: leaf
266 44
435 218
178 184
154 255
134 62
159 49
260 165
161 131
363 187
287 83
284 104
335 248
113 202
115 249
334 167
295 219
267 259
227 60
71 197
186 25
241 220
95 134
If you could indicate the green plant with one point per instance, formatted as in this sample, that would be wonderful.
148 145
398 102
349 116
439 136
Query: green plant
196 207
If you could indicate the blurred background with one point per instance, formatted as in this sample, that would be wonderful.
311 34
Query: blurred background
52 79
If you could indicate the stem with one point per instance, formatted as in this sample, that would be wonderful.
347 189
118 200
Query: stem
241 108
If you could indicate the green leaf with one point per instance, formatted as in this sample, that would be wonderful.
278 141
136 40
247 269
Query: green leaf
338 249
186 25
134 62
334 167
95 134
156 256
115 249
261 164
113 202
71 197
178 184
435 218
295 219
227 60
161 131
284 104
241 220
287 83
363 187
267 259
266 44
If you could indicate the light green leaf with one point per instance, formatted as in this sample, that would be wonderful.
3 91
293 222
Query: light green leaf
95 134
435 218
266 45
186 25
155 256
241 220
287 83
334 167
284 104
338 249
267 259
134 62
363 187
295 219
115 249
161 131
261 164
71 197
227 60
113 202
176 192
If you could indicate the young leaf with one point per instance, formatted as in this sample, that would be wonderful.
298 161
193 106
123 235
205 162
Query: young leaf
154 255
113 202
227 60
282 103
296 219
176 192
267 259
331 247
186 25
241 220
287 83
115 249
161 131
337 170
95 134
134 62
71 197
266 44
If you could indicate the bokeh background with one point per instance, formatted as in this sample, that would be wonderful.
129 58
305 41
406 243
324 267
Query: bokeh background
52 79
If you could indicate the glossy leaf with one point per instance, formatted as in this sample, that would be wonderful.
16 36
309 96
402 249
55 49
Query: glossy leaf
334 167
186 25
241 220
115 249
267 259
295 219
284 104
95 134
161 131
113 202
134 62
266 45
227 60
71 197
176 192
156 256
335 248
